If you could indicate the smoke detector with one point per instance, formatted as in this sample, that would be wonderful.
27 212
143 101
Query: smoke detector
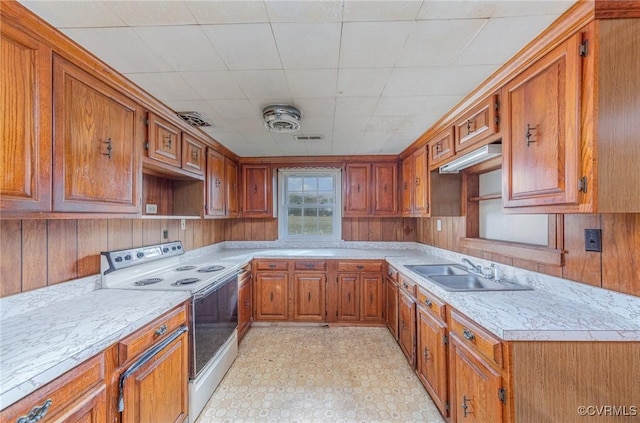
281 118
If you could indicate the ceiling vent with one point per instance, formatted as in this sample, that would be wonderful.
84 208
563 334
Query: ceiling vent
280 118
194 119
308 137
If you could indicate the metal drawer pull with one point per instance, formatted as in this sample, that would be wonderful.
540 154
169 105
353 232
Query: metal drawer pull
426 354
428 302
272 266
468 334
309 297
36 414
360 267
161 330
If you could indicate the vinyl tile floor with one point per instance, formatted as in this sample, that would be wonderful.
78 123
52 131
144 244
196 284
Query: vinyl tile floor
320 374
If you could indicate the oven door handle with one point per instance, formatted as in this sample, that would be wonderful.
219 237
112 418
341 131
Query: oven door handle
145 358
208 290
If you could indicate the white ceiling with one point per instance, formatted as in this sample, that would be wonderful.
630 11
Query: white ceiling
370 76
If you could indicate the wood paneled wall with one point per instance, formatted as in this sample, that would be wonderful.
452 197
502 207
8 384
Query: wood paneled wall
37 253
616 268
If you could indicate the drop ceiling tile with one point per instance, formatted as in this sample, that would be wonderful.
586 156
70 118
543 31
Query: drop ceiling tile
530 8
165 86
437 105
245 46
185 48
318 148
262 84
316 107
372 44
464 9
238 108
398 106
354 124
347 137
75 14
456 80
142 13
247 124
317 125
228 12
359 10
355 106
121 48
304 10
312 82
362 82
491 46
214 85
438 43
308 45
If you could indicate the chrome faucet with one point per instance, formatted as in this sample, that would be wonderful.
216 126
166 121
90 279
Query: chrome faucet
475 268
497 273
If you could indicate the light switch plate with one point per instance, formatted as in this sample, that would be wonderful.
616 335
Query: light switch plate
151 208
183 224
438 225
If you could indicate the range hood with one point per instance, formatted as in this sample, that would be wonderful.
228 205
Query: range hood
477 156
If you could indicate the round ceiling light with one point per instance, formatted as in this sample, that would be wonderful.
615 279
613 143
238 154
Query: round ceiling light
280 118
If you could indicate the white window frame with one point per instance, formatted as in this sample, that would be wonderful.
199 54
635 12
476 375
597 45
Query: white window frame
283 216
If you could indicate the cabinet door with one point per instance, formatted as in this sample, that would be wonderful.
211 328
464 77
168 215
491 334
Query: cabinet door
25 130
392 307
271 295
475 386
478 124
385 193
215 183
407 186
309 297
432 357
407 326
164 141
231 179
90 409
348 298
96 166
244 304
421 182
256 191
541 148
157 391
357 190
441 147
193 156
371 300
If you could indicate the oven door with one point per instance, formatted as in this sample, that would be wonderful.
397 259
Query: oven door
215 317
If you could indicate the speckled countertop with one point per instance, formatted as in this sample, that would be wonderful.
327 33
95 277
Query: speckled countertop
39 344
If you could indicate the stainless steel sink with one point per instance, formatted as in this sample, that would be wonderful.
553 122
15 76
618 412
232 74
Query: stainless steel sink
428 270
474 283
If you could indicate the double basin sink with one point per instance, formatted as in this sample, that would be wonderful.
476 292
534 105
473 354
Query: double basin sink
457 278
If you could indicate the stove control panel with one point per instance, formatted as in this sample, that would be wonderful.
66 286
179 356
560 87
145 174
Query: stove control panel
120 259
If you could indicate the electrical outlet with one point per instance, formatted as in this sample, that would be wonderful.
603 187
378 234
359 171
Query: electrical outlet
593 240
151 208
165 234
183 224
438 225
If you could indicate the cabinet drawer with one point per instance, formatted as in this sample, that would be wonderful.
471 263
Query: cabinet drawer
432 303
310 265
392 273
57 396
407 285
140 341
478 338
272 265
478 124
360 266
441 147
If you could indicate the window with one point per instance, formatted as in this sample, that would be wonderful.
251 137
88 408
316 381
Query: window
309 204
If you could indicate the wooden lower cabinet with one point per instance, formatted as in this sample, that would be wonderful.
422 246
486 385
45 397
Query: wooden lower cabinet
371 307
407 326
309 296
245 309
431 357
348 309
271 295
475 386
391 298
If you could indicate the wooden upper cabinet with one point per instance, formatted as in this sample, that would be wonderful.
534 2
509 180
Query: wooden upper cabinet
96 155
421 182
441 147
357 189
256 190
215 184
385 192
406 190
541 147
25 130
478 124
193 154
231 187
164 141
